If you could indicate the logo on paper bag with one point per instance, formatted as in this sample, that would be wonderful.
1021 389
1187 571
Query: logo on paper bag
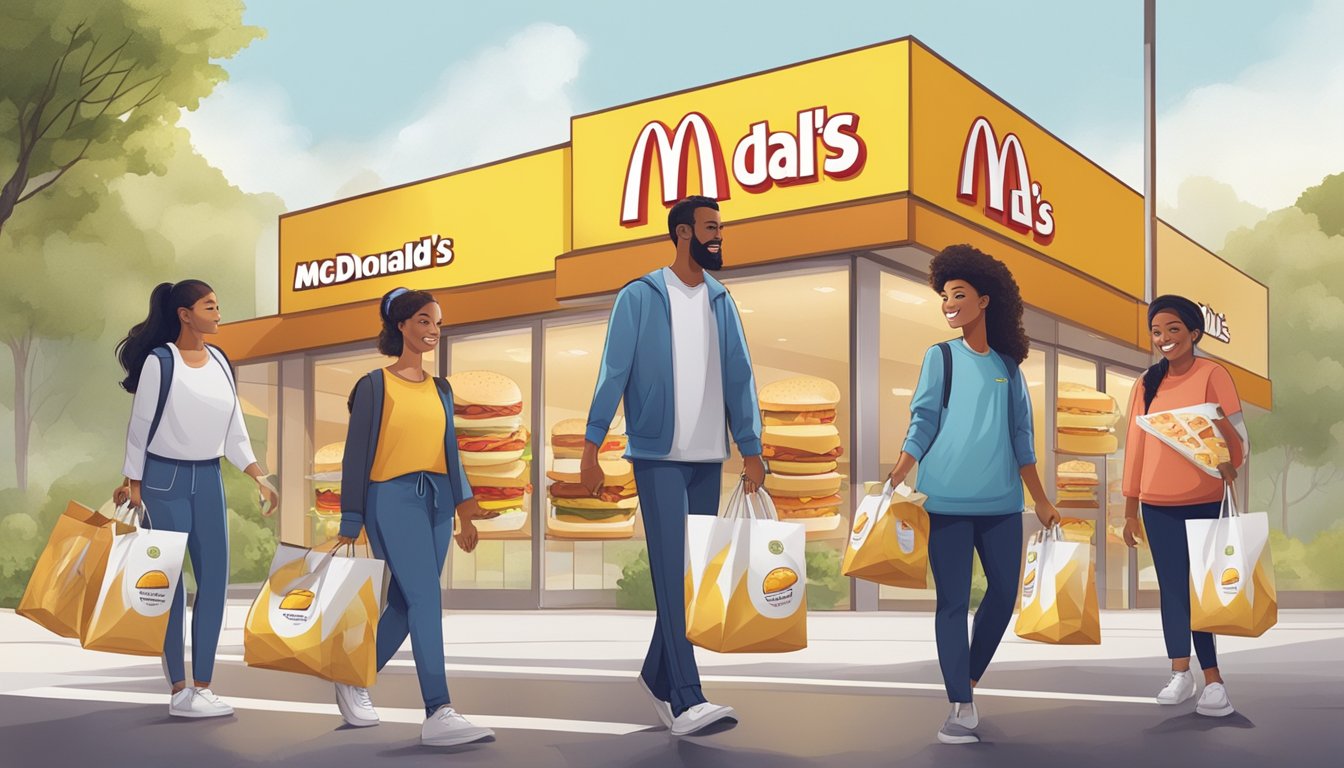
1029 584
778 585
861 522
153 553
776 548
1230 577
1031 557
1230 551
298 600
152 589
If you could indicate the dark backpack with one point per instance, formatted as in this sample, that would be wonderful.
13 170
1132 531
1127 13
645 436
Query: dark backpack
1014 376
166 363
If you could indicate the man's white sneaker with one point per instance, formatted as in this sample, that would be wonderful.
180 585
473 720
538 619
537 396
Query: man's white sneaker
355 705
446 728
959 728
1180 688
197 702
1214 702
663 708
699 717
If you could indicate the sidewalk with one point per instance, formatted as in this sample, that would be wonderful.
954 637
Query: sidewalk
603 642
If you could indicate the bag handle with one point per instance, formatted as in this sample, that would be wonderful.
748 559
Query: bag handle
1228 511
310 578
767 511
131 514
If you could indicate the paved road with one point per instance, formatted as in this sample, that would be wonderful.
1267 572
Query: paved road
1290 699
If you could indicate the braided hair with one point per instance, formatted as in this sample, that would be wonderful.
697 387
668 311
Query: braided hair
1193 319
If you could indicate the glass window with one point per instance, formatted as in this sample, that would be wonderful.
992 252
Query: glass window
252 537
1119 385
500 365
797 325
334 377
589 545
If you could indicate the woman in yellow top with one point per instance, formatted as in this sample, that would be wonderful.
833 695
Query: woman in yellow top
402 481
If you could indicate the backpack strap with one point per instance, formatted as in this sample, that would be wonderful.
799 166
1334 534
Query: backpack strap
947 371
444 386
1014 383
224 361
165 357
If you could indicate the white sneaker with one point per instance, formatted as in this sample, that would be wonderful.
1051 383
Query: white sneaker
197 702
355 705
663 708
699 717
959 728
1180 688
1214 702
446 728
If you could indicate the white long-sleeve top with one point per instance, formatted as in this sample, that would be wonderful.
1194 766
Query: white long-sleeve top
202 419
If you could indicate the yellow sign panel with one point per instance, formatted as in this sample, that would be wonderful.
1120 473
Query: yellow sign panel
829 131
1236 308
979 158
491 223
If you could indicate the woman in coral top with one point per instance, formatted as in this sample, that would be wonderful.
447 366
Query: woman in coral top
1171 489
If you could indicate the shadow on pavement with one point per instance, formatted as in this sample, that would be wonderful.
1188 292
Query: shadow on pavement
1194 722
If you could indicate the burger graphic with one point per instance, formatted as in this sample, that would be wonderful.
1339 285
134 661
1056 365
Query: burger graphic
779 580
326 478
1084 418
152 580
491 439
1030 579
575 513
800 442
1230 577
297 600
861 522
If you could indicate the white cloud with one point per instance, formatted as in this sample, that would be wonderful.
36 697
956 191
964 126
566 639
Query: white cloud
1272 132
507 100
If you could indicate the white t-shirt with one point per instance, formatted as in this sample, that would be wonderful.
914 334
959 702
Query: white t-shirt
201 420
697 374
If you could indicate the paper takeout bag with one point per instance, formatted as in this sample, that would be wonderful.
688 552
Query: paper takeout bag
889 539
1059 592
318 615
130 613
1232 590
64 584
746 579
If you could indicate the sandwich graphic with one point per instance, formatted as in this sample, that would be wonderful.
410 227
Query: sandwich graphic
1030 579
1230 577
861 522
779 580
153 580
297 600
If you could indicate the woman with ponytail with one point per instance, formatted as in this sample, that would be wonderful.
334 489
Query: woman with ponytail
402 483
971 434
184 418
1171 490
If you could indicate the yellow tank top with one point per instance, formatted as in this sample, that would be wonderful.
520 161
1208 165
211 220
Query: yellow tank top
411 434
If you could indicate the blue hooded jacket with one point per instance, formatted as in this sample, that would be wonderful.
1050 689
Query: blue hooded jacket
637 365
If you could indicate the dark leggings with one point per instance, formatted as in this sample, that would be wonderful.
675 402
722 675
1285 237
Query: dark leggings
1171 558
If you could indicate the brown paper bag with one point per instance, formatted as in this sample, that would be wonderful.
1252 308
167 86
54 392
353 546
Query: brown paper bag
64 583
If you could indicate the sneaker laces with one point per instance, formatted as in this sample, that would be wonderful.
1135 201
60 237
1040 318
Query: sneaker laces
448 714
362 698
1175 678
209 696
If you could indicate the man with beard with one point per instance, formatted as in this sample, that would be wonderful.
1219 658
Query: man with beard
676 352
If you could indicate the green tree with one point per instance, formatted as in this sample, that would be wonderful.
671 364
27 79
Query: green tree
91 93
1326 201
1304 269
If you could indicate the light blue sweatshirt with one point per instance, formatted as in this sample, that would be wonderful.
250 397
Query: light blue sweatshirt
973 467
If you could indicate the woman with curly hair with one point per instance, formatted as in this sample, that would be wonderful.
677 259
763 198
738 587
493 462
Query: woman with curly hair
971 434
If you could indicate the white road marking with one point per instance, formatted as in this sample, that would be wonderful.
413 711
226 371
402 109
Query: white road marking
800 682
388 715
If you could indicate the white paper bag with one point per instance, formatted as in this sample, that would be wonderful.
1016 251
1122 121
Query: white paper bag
1232 588
130 614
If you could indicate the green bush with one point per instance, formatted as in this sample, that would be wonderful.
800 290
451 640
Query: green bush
252 537
19 546
827 587
635 587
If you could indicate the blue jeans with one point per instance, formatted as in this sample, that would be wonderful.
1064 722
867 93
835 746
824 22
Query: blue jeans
407 533
998 539
188 497
1171 557
668 491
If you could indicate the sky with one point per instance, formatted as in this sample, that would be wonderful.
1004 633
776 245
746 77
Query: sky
342 97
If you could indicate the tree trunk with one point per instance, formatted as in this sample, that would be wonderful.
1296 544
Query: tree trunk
1283 497
20 349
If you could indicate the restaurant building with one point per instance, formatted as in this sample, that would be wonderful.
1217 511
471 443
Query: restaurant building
839 178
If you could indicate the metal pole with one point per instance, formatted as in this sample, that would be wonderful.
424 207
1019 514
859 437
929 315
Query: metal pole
1149 150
